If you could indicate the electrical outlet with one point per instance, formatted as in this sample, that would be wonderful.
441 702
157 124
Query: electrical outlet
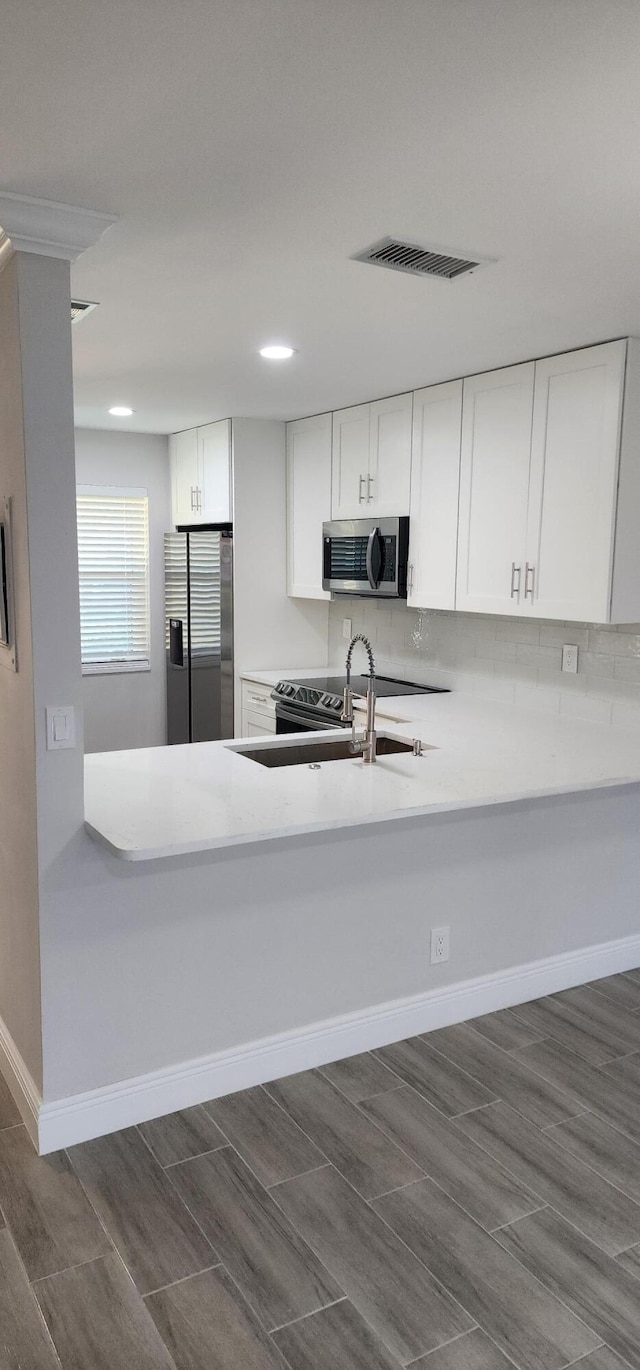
346 629
570 659
439 945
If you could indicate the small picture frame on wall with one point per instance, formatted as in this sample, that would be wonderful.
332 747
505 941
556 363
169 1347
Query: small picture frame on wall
8 654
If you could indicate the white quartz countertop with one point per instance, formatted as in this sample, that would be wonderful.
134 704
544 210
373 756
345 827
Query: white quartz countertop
168 801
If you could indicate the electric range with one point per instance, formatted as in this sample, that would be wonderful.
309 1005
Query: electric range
314 703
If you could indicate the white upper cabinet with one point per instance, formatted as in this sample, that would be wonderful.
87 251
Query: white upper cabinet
389 474
435 481
183 453
371 466
308 503
497 415
350 462
214 455
573 486
201 474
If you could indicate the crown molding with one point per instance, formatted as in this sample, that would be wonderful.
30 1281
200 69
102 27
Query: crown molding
48 228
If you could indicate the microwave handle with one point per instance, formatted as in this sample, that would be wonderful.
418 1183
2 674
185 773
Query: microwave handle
371 577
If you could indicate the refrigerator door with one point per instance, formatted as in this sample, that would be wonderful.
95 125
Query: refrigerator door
177 637
205 635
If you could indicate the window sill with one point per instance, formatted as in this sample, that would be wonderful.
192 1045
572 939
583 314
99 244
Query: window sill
114 667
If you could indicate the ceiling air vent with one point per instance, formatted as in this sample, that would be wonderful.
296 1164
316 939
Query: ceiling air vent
419 261
79 308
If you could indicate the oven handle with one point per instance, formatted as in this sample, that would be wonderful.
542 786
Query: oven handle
375 533
307 724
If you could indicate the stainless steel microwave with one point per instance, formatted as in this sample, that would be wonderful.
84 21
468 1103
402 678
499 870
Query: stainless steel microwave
366 557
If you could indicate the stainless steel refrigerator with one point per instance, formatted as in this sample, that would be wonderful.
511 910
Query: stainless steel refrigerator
199 634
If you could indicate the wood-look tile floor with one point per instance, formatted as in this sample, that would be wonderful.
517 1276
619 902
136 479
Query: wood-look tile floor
465 1200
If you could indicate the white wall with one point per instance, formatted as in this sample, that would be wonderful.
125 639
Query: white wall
270 630
515 660
19 933
129 710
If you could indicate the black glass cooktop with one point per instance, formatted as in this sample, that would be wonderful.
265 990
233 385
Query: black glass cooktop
385 685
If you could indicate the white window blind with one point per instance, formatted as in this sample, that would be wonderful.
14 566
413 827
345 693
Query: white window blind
113 562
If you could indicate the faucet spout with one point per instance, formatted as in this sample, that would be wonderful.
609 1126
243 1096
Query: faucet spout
368 743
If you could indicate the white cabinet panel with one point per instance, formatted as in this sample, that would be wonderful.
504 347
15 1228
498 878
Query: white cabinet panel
214 460
435 481
350 462
494 481
574 472
183 453
257 725
308 503
389 473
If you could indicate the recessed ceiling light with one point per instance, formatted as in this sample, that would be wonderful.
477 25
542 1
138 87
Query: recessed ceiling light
277 352
121 411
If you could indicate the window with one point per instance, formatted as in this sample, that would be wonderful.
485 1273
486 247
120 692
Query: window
113 563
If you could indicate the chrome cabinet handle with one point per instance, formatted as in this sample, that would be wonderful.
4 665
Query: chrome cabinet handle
193 496
515 571
361 494
369 484
410 576
530 571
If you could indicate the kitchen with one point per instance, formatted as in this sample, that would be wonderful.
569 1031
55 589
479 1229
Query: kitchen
193 934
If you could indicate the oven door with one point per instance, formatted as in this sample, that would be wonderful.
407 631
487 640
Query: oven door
292 720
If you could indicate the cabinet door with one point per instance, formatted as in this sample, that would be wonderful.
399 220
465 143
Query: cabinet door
183 452
214 458
389 474
350 462
574 475
497 411
256 725
435 482
308 503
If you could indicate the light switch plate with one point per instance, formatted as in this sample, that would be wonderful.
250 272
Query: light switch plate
570 658
346 629
61 727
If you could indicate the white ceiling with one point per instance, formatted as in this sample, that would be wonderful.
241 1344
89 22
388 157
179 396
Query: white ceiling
250 147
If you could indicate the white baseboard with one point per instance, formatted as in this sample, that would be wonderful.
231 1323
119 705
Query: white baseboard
64 1122
21 1083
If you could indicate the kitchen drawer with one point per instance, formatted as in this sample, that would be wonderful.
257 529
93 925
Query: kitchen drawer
256 699
257 725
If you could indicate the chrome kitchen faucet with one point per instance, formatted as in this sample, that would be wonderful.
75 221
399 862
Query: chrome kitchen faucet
367 744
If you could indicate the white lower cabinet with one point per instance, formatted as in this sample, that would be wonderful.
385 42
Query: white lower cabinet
308 503
258 709
435 482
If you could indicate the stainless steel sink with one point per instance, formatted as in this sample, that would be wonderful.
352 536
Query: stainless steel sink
312 753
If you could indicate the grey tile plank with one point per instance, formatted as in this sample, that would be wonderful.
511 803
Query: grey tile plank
449 1089
594 1142
399 1299
360 1076
602 1359
596 1008
357 1148
49 1216
630 1260
528 1323
633 975
505 1030
473 1351
24 1340
581 1195
98 1321
9 1115
475 1180
180 1136
594 1286
604 1090
337 1337
265 1136
589 1040
622 989
276 1271
505 1074
208 1325
155 1234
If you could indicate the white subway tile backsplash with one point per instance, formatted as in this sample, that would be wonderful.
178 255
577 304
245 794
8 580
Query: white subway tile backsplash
501 658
